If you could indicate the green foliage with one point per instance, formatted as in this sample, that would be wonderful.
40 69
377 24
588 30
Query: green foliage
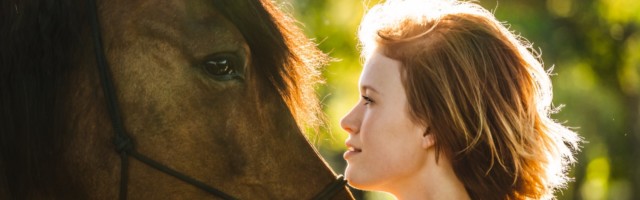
593 46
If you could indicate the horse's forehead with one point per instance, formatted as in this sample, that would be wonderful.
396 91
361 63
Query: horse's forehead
172 10
196 24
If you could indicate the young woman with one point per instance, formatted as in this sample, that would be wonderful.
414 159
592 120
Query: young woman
454 106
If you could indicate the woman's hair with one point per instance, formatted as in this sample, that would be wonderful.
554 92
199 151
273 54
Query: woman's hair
481 90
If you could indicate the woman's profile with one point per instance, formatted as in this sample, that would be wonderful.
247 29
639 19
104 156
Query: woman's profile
454 106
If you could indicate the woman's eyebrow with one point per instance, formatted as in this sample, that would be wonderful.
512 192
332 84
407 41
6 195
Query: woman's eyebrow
370 88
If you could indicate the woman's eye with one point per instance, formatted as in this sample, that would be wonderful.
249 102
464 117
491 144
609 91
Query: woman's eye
223 67
367 100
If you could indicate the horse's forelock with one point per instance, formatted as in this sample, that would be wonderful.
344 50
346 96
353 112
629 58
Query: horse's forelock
282 54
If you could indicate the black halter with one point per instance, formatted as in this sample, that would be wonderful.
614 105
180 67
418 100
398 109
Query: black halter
123 143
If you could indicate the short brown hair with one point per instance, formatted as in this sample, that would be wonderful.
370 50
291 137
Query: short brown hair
482 91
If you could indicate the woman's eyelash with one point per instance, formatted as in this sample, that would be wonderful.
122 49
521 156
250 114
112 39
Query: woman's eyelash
367 100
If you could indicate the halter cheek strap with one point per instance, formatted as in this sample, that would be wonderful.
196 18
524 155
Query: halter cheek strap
122 141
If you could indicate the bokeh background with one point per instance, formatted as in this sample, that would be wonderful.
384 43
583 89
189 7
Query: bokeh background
593 46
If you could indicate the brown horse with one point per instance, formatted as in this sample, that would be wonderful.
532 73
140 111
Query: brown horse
214 89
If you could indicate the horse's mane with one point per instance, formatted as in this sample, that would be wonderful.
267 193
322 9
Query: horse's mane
39 38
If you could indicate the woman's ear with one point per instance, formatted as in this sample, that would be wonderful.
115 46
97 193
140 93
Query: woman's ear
428 139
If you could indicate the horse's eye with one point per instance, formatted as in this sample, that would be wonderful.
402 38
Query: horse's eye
223 66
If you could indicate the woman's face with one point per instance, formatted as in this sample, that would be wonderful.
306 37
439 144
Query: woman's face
384 145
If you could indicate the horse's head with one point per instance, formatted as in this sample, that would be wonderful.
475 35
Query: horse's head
213 89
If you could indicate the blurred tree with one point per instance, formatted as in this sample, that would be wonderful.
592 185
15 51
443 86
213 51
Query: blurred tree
593 46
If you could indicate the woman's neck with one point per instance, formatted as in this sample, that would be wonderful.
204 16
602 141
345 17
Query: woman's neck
433 181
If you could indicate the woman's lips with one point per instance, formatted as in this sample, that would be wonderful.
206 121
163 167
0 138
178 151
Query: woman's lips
351 151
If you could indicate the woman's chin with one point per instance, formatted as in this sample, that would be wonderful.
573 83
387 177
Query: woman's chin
354 179
350 176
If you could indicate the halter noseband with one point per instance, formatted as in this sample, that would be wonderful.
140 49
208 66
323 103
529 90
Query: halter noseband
123 143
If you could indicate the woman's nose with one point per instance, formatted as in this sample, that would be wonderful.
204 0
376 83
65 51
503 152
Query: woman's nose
351 122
